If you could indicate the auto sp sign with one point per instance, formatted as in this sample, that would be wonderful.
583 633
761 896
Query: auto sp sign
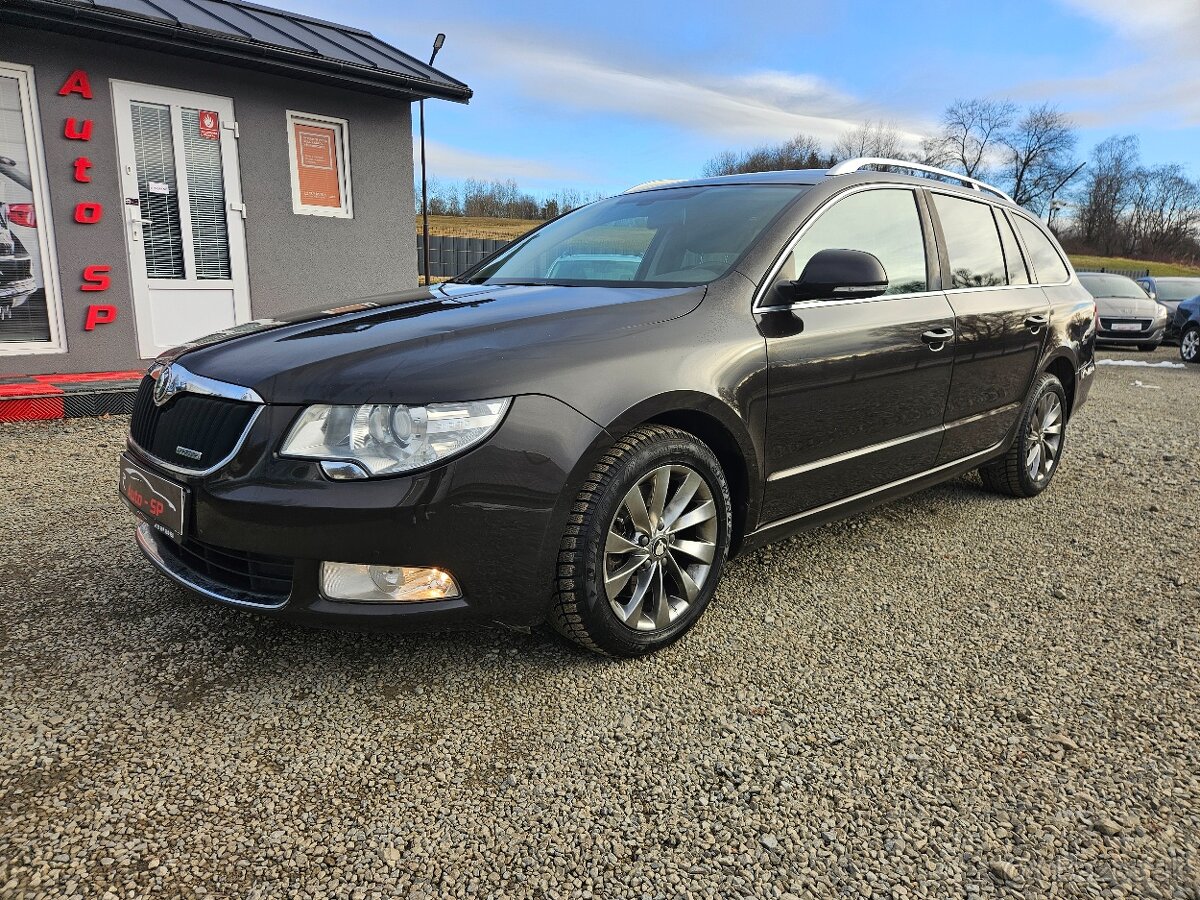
210 125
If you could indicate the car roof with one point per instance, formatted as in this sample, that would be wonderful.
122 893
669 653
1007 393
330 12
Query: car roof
812 177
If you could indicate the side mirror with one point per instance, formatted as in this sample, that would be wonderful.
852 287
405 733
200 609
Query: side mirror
836 274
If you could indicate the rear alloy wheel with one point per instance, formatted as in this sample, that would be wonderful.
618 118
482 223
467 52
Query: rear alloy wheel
645 544
1189 345
1026 469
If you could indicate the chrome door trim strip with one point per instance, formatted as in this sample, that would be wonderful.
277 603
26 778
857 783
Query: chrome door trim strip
852 454
885 445
862 495
967 420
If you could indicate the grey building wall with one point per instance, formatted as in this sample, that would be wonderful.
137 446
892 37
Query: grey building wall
294 260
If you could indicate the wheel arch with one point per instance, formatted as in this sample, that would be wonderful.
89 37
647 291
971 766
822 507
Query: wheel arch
725 433
1062 367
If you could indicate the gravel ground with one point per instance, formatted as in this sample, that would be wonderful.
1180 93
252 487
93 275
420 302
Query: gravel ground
954 695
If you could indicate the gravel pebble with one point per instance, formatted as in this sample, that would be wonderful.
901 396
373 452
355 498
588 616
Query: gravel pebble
955 695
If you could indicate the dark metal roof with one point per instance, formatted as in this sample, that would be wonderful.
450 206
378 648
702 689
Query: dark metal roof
241 33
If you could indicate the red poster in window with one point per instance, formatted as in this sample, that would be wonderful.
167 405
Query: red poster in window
210 125
317 165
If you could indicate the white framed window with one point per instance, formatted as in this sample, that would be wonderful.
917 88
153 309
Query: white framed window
319 153
31 314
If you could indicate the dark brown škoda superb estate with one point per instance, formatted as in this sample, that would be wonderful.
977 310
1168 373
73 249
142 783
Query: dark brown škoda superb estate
583 428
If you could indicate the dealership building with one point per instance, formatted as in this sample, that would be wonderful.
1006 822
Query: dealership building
173 168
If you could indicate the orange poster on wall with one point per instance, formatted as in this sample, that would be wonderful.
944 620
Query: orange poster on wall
317 165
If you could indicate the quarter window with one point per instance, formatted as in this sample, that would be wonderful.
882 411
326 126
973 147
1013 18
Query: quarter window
972 242
1047 264
1014 263
883 222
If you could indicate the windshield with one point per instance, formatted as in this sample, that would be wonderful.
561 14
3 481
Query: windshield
1111 286
1177 288
677 236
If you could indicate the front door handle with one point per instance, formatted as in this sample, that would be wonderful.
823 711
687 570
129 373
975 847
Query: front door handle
938 338
1037 323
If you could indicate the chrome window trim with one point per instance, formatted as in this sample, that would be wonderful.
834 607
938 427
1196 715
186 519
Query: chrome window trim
816 510
757 306
1013 211
887 445
180 574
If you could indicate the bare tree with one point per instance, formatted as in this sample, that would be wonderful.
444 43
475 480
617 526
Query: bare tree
800 152
971 132
1164 211
1106 193
870 139
1038 152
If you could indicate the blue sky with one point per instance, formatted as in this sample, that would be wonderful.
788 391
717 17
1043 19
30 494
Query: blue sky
599 96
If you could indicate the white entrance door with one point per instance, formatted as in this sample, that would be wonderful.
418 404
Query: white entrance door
184 217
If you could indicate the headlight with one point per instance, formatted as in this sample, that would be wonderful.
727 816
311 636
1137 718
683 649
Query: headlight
385 439
1162 313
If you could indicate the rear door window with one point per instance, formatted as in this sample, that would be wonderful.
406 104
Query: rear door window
972 242
1047 264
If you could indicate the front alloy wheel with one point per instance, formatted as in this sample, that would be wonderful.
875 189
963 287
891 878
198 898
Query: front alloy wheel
1189 345
644 545
660 547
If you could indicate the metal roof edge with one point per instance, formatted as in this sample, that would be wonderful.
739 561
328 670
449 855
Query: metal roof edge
92 21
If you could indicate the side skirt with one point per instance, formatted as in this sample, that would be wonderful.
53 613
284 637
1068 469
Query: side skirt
839 509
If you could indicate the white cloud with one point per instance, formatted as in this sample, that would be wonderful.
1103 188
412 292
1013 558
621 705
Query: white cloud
454 163
757 106
1155 79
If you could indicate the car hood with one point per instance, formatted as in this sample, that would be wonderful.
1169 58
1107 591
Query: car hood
448 342
1127 306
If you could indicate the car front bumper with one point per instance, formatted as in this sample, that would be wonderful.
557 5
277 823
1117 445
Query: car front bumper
493 518
1153 336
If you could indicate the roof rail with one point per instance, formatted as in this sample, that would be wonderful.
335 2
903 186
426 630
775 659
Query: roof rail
854 165
646 185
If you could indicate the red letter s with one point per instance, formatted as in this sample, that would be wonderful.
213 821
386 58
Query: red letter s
96 278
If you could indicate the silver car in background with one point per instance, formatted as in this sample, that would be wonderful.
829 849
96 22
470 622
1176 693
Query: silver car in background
1126 314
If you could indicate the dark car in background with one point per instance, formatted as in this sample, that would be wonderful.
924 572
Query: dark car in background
1170 291
1187 326
1126 314
520 445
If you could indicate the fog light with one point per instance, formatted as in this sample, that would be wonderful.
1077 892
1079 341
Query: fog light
386 584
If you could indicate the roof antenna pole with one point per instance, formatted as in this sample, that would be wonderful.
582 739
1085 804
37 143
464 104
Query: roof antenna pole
437 45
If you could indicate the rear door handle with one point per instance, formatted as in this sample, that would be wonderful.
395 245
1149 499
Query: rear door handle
938 338
1037 323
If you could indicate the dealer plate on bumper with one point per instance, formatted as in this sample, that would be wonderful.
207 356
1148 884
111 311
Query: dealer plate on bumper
1126 326
159 501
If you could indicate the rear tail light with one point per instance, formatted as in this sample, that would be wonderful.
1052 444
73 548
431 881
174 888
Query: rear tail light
22 214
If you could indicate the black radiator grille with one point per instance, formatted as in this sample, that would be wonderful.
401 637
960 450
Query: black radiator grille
208 426
269 577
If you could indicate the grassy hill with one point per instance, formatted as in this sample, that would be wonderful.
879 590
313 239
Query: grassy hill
1120 262
463 226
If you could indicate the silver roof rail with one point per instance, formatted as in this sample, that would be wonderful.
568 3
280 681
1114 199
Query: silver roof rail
647 185
854 165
